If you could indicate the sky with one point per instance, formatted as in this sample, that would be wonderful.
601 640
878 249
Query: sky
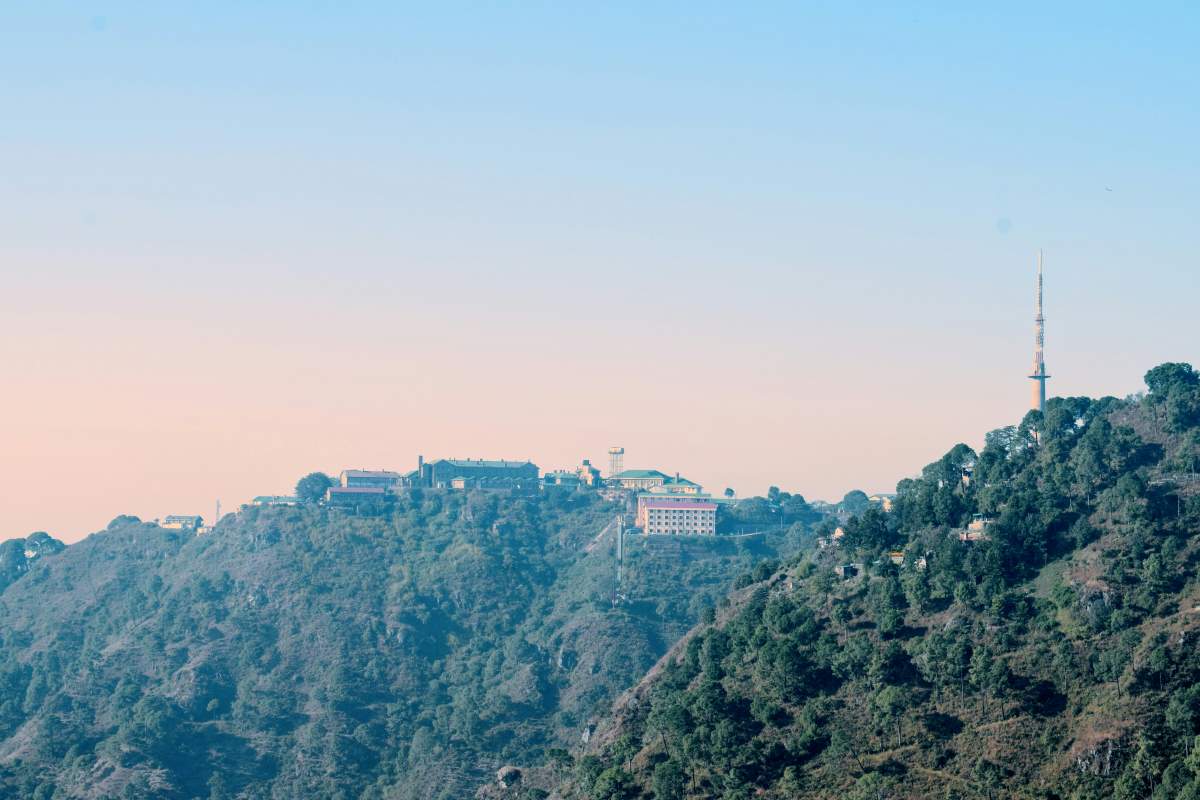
761 244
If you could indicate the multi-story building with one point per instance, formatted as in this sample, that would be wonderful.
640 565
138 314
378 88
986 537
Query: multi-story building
357 478
677 516
589 475
354 495
442 474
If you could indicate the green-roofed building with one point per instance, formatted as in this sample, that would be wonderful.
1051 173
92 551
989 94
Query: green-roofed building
638 479
677 485
652 480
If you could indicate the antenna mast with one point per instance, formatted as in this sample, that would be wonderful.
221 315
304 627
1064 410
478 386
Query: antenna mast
1039 376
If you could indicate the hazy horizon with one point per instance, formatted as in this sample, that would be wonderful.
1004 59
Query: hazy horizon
774 247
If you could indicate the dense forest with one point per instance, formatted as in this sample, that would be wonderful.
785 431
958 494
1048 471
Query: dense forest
1022 623
407 650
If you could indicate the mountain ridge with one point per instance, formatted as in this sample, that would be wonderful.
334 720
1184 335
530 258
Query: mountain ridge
403 653
1047 650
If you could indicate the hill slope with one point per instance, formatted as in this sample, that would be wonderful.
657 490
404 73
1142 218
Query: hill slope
302 652
1051 654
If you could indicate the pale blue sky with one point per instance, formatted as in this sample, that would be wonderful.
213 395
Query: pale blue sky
834 207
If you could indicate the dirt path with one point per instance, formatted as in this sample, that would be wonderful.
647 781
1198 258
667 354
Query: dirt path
595 542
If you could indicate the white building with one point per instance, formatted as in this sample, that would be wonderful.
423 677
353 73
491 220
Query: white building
677 516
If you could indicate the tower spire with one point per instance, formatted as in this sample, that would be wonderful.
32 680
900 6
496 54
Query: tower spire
1039 376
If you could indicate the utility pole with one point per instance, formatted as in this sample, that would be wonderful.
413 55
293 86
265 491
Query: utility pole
620 558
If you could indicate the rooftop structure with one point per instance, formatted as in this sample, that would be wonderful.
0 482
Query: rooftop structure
365 477
476 472
644 499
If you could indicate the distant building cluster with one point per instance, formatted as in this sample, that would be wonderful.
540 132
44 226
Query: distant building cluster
585 475
662 503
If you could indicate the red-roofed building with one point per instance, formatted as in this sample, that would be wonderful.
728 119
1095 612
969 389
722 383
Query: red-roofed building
677 516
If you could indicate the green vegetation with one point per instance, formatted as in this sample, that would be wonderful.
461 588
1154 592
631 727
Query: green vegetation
406 652
1048 650
17 556
312 486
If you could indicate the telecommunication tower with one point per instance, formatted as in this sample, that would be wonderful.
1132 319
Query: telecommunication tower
1039 376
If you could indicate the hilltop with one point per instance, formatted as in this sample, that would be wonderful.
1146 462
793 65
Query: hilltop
1022 623
404 652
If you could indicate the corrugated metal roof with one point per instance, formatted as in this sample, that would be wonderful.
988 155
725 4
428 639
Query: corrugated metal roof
466 462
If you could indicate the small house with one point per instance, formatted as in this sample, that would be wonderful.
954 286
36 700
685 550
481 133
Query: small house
979 523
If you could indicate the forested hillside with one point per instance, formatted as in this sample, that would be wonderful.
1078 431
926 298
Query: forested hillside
1047 651
18 555
407 652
